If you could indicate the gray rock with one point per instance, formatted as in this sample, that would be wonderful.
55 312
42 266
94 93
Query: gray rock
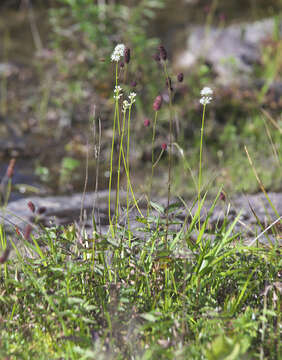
232 50
62 210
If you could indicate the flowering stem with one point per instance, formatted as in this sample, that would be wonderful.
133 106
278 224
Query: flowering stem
128 175
130 186
152 172
200 163
118 172
170 150
158 159
112 152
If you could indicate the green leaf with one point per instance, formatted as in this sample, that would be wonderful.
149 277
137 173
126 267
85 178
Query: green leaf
149 317
157 207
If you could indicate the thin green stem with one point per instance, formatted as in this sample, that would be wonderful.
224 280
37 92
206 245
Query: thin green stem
158 159
128 169
152 171
112 154
169 151
130 186
200 163
118 171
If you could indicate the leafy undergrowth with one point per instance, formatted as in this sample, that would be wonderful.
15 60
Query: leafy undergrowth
188 294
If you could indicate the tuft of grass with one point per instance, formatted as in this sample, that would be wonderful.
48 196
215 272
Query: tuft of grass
202 296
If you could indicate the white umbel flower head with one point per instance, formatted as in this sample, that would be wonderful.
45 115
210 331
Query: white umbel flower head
127 104
132 97
118 52
117 92
206 94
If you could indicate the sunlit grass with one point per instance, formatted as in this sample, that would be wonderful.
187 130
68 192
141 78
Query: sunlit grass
170 287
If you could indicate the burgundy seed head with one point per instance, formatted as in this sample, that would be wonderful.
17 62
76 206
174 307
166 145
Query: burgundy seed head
31 206
157 57
4 256
163 52
27 231
127 55
164 146
121 64
41 210
10 170
222 196
133 83
157 103
180 77
146 122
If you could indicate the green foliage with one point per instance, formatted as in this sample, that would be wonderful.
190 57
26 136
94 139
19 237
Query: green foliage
68 167
120 298
92 30
43 173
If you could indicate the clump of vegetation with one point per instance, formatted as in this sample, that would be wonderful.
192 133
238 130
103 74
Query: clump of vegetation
169 287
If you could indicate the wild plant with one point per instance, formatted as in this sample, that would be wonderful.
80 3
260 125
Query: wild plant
194 291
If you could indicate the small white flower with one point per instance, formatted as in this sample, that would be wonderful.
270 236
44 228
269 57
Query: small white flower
117 92
125 105
128 103
205 93
118 52
117 88
205 100
132 97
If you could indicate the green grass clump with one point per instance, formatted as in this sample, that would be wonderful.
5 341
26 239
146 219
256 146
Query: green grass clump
205 297
160 286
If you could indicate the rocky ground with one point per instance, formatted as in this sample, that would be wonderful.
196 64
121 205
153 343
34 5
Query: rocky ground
64 210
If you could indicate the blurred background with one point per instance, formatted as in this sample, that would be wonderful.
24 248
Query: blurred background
56 86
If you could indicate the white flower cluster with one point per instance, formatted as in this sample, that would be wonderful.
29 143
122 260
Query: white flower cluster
117 92
118 52
127 104
206 93
132 97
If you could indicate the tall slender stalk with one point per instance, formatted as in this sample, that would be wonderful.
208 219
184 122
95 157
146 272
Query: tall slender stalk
112 153
169 151
118 171
128 170
206 98
200 163
152 171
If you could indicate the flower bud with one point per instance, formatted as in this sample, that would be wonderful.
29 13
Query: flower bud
157 103
10 170
133 83
146 122
222 196
41 210
31 206
164 146
27 231
163 52
180 77
127 55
